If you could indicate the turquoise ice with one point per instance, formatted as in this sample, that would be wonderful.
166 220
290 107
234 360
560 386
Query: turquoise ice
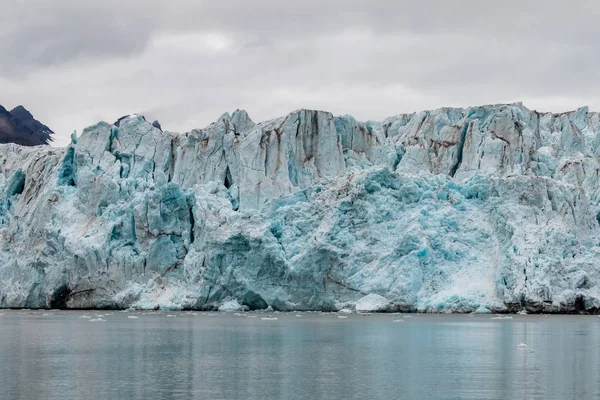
450 210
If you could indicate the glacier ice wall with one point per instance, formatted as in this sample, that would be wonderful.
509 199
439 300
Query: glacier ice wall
438 211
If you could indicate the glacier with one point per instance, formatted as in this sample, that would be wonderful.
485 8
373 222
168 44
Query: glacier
451 210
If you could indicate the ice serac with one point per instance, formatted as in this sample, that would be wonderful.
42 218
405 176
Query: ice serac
451 210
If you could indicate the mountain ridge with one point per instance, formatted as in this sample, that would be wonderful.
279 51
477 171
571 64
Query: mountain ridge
20 127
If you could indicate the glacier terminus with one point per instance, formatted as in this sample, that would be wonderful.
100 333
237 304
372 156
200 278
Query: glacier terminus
452 210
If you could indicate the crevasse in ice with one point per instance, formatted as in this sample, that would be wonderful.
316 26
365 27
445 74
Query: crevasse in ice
451 210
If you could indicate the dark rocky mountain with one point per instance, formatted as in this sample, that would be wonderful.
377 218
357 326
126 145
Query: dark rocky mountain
18 126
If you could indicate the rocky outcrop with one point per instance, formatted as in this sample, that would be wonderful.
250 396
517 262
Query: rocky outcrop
18 126
443 211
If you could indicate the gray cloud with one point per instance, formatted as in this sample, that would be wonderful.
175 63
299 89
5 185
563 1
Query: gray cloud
185 62
42 33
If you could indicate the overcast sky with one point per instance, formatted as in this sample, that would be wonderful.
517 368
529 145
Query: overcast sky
73 63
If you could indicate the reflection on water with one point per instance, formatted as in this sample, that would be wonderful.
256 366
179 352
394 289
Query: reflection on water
202 356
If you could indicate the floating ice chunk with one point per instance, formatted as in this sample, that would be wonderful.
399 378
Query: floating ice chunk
231 306
298 316
85 317
342 317
398 320
46 315
522 345
371 302
522 312
482 310
97 320
132 317
170 315
269 318
345 311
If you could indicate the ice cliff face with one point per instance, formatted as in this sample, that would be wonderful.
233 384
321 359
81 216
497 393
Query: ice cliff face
441 211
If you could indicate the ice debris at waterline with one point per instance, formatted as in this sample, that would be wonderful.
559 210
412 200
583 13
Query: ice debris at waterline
492 208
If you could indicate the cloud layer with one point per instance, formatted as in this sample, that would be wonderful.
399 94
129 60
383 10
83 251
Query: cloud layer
185 62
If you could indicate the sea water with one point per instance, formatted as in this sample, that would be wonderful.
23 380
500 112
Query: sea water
196 355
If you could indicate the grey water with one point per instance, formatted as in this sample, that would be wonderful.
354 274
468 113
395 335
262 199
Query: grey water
185 355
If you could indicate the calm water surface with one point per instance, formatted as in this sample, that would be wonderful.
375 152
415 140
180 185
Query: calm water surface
162 355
